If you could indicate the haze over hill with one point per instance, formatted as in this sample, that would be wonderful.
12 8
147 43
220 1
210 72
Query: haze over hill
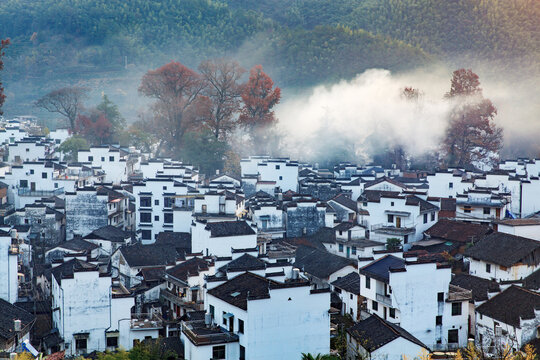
108 45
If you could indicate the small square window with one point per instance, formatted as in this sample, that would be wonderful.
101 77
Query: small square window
277 167
156 202
164 188
392 313
340 247
32 171
281 178
374 305
44 175
81 344
392 203
487 211
56 185
156 218
450 185
218 352
112 341
90 158
440 297
453 336
391 218
103 158
111 158
488 268
438 320
146 234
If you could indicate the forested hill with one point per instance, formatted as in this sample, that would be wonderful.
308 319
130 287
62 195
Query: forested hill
300 42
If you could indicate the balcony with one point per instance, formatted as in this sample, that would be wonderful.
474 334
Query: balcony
201 334
145 322
385 299
404 229
181 301
42 193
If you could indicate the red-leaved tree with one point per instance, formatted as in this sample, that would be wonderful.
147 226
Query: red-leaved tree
3 45
259 97
176 89
94 127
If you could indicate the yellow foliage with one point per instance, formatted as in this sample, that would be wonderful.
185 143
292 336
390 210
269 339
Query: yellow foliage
24 356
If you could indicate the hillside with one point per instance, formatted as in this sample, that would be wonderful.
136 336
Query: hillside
300 43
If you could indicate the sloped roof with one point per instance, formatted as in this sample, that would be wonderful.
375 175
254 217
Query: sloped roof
109 233
320 263
180 240
380 268
9 313
229 228
345 201
78 244
67 269
245 262
424 205
374 332
191 267
480 287
504 249
511 305
458 231
349 283
139 255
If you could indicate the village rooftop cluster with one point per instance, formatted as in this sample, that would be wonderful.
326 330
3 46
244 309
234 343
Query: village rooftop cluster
121 248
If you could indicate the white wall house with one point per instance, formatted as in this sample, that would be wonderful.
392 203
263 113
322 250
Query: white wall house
9 284
510 318
218 238
399 291
503 257
109 160
26 150
257 318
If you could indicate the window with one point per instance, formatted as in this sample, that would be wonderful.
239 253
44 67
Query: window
111 158
453 336
392 203
212 310
487 211
164 187
432 216
488 268
146 201
391 218
456 309
156 202
27 150
374 305
438 320
168 218
103 158
146 234
240 326
80 344
440 297
340 247
56 185
364 204
203 209
23 183
168 202
281 178
156 218
425 218
224 318
368 282
242 353
112 341
277 167
90 158
351 296
392 313
450 185
218 352
44 175
26 221
467 209
32 171
146 217
353 251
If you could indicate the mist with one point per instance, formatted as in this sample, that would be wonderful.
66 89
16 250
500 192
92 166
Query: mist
356 119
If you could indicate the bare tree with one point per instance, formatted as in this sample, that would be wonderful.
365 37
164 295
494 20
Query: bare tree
222 88
65 101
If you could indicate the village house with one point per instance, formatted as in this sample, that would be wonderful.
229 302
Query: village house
345 208
109 159
480 204
376 338
348 290
92 313
529 227
430 308
9 281
503 257
349 240
509 319
282 171
218 238
15 326
29 149
249 314
109 238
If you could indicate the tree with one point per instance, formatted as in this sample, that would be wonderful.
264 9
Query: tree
111 112
223 90
204 150
259 98
464 83
3 44
94 127
472 137
71 146
176 89
65 101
